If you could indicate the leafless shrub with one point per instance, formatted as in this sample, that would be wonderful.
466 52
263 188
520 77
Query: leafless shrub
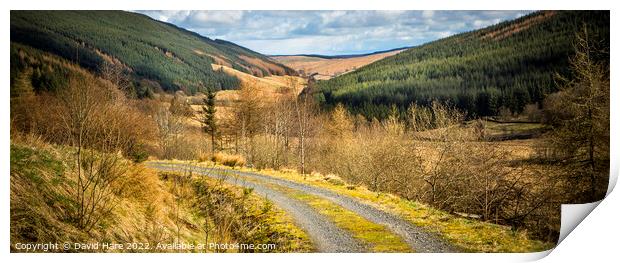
533 112
434 159
90 122
117 74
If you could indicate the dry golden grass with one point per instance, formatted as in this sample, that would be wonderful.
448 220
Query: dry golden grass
142 212
149 208
227 95
230 160
269 87
221 60
260 64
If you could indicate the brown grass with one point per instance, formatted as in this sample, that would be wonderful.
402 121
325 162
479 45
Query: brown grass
231 160
268 86
270 67
220 60
150 207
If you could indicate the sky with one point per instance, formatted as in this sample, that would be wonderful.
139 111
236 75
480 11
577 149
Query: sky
330 32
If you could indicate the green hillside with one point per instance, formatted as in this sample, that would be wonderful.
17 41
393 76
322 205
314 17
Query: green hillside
510 64
150 50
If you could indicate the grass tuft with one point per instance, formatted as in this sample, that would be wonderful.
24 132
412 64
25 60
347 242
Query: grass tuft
229 160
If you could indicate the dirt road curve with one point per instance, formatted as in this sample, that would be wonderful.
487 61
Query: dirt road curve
326 236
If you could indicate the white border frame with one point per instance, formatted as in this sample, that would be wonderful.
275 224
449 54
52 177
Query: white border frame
596 238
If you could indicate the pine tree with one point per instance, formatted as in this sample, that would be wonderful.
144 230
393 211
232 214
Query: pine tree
209 124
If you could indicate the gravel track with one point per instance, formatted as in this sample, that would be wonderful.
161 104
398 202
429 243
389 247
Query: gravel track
419 239
325 235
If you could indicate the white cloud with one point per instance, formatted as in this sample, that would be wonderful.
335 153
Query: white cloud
484 23
167 15
330 32
301 45
479 23
222 17
445 34
428 13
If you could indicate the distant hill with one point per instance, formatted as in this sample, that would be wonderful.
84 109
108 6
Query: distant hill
508 65
151 51
342 56
325 67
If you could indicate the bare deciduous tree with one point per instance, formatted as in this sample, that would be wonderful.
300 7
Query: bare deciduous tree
304 113
93 125
116 73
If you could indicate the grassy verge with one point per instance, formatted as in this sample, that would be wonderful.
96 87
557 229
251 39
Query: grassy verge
147 208
238 215
467 234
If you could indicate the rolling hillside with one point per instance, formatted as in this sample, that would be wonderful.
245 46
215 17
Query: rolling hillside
166 56
508 65
326 67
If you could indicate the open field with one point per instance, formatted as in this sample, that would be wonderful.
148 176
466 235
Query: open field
269 86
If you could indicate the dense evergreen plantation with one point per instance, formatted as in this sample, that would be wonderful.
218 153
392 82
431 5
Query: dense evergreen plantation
508 65
176 59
